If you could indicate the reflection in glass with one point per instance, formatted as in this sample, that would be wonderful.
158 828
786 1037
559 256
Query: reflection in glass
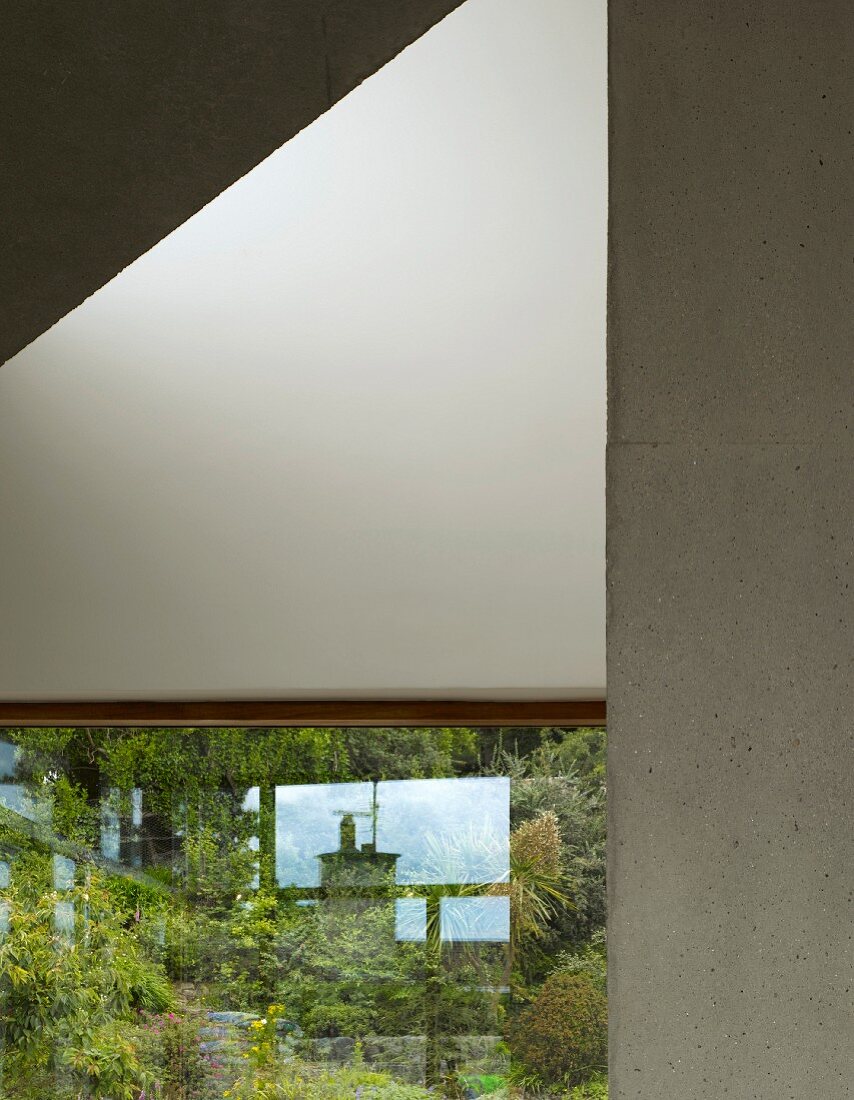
410 919
478 920
178 920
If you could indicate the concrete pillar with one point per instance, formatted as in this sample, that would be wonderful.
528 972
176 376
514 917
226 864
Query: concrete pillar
730 690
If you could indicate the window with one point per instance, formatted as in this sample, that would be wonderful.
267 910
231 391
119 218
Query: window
301 912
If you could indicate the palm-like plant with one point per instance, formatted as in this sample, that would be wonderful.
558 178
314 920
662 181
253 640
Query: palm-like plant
534 885
476 863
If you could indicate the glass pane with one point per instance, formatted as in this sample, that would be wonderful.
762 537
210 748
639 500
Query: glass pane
317 914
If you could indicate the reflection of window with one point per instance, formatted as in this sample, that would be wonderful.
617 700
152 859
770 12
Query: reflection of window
14 797
447 830
64 919
443 830
411 919
111 832
481 920
308 823
8 760
63 873
252 805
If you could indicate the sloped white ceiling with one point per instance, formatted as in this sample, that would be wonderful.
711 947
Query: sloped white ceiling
343 432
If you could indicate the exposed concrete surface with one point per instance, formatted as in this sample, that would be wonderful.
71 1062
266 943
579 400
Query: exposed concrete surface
732 170
120 120
730 546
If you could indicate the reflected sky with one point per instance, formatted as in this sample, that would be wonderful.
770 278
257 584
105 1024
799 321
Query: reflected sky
16 797
461 920
308 819
63 873
475 920
410 919
444 830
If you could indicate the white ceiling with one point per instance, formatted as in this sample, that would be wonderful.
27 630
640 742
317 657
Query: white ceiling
343 432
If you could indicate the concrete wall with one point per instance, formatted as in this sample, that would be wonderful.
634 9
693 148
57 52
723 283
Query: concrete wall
730 547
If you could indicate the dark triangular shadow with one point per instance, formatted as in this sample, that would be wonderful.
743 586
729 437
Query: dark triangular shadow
125 119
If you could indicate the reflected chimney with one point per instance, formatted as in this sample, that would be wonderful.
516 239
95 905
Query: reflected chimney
348 833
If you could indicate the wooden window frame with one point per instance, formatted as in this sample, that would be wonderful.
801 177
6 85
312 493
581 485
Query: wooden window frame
354 712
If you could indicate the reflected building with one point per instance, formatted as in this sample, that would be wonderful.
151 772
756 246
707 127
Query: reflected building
355 871
358 883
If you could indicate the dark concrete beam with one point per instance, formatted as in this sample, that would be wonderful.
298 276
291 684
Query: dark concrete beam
121 120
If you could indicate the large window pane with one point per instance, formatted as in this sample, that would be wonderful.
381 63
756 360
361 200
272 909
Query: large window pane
186 914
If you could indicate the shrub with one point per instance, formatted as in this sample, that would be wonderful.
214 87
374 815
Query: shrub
590 961
484 1084
397 1091
594 1089
562 1037
173 1050
72 979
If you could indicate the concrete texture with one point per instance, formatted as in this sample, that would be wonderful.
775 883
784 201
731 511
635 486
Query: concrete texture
125 118
732 202
730 544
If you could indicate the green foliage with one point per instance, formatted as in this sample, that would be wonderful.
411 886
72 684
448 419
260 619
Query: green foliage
235 758
580 753
72 978
409 753
562 1037
129 896
485 1084
103 1057
594 1089
188 761
343 973
394 1090
74 817
229 952
218 863
267 1077
171 1046
590 961
545 781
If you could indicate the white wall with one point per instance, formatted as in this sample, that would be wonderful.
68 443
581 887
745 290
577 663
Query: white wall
342 433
